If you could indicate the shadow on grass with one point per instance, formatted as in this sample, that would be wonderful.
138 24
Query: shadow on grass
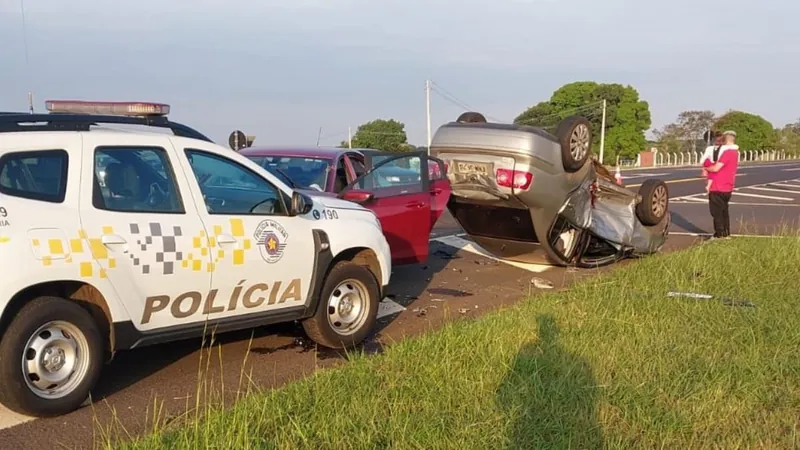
551 396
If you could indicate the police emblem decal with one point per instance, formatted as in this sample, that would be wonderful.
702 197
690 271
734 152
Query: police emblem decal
271 239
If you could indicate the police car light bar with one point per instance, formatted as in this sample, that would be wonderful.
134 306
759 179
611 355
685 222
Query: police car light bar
130 109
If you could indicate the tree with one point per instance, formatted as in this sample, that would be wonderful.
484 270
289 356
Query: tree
753 132
789 138
686 133
627 117
387 135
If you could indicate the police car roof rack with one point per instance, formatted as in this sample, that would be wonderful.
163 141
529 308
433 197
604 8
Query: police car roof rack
81 116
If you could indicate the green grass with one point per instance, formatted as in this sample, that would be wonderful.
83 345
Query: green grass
612 362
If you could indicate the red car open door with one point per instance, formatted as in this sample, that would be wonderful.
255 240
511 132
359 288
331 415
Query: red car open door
397 189
439 188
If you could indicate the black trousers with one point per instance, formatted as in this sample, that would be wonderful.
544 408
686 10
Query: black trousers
718 204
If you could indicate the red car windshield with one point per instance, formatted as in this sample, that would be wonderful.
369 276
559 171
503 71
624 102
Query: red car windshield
306 173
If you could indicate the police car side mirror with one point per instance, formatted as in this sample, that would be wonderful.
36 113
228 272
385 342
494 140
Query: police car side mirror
301 204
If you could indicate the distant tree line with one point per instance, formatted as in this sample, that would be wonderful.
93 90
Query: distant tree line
627 121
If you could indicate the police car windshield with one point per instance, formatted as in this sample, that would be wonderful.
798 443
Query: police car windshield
304 172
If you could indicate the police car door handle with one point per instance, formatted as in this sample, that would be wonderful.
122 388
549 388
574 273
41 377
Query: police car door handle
225 239
110 239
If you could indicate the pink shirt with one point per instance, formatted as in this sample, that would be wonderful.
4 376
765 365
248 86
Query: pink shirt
724 180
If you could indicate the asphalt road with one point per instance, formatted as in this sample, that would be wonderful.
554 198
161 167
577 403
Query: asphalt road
458 281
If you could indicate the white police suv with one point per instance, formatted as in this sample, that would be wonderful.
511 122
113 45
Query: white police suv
112 239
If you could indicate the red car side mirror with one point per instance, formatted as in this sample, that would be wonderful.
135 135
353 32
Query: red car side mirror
358 196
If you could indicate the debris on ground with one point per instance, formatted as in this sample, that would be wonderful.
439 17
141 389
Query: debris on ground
445 255
423 311
734 302
450 292
725 300
541 283
463 310
490 262
437 299
689 295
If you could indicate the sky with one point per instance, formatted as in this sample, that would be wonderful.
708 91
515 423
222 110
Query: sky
282 69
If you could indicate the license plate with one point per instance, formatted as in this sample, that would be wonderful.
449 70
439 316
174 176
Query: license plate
473 168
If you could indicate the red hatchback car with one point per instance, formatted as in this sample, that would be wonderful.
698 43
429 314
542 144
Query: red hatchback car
407 191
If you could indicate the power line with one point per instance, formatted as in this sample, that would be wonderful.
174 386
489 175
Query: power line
448 96
562 113
445 94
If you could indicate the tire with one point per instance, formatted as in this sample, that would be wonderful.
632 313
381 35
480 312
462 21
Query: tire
364 291
471 117
655 202
575 137
80 346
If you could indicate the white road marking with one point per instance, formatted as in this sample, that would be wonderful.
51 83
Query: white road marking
769 197
643 175
783 185
794 169
463 244
387 307
696 199
10 419
759 188
782 205
684 233
705 202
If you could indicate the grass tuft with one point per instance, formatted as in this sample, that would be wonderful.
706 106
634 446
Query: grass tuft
612 362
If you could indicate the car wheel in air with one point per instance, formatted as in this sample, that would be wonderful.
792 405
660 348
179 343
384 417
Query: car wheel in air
348 307
575 136
50 358
471 117
655 202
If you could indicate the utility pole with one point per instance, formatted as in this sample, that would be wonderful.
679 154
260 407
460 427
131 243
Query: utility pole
428 111
30 102
319 135
603 132
349 138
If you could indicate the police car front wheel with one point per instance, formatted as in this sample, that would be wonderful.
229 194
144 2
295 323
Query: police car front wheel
50 358
348 307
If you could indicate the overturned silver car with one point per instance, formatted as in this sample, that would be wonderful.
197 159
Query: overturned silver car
527 195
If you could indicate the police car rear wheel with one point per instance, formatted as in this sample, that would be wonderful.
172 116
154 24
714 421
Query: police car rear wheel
348 307
50 358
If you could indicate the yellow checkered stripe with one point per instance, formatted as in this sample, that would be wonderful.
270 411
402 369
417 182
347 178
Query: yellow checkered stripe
56 249
204 245
93 258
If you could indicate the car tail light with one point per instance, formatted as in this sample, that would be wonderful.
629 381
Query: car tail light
514 178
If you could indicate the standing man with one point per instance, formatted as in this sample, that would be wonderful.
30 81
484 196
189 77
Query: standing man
723 178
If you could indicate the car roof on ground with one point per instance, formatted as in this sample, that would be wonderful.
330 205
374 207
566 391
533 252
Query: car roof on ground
307 151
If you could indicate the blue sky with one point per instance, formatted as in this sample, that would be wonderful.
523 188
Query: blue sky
281 70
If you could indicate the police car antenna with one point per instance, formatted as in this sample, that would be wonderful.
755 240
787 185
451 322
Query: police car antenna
25 48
